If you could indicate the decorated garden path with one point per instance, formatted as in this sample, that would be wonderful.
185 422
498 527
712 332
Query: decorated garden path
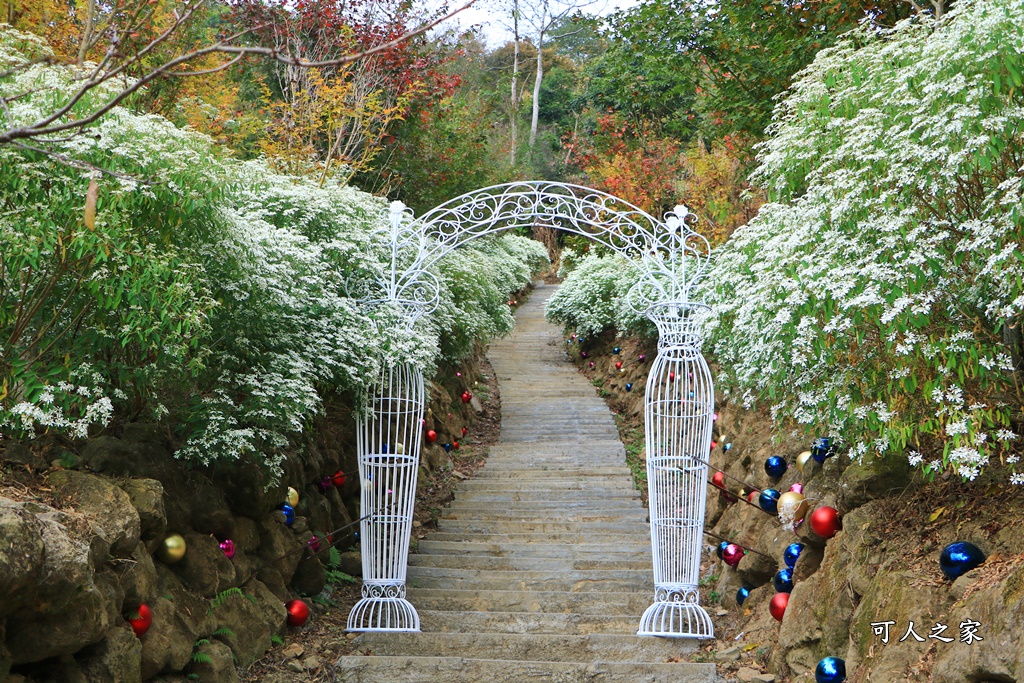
541 567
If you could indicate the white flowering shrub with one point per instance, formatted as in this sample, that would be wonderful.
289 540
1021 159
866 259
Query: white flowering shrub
212 291
593 296
880 297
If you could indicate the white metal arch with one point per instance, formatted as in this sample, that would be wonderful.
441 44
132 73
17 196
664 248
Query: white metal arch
679 403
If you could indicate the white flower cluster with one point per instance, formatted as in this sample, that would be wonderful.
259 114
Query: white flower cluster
891 258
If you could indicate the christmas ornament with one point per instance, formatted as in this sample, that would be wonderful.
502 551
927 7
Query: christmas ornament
458 374
298 612
338 479
314 544
714 445
591 365
743 493
718 479
400 448
753 495
783 580
466 397
959 558
825 521
792 553
671 377
447 447
728 446
583 354
384 447
227 546
574 335
292 497
802 460
141 620
797 488
830 670
742 594
641 358
618 365
325 484
431 436
714 418
769 501
464 431
629 386
721 548
616 350
777 607
289 513
172 550
455 445
792 506
775 467
823 449
732 554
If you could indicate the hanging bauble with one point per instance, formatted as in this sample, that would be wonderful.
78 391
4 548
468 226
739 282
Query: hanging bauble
338 479
400 448
825 521
455 445
464 431
777 606
629 386
447 447
728 446
641 358
783 580
830 670
753 496
732 554
298 612
172 549
714 418
384 447
797 488
802 460
325 484
721 548
743 493
616 350
959 558
141 619
718 479
314 544
431 436
466 397
823 449
583 354
775 467
742 594
574 335
289 513
292 496
769 501
792 553
618 365
458 374
591 365
227 546
671 377
714 445
792 506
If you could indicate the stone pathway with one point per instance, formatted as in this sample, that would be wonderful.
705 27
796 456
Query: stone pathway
541 567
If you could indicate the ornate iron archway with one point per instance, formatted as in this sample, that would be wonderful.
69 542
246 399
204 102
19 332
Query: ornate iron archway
679 401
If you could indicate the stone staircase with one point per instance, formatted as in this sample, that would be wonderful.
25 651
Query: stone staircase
541 567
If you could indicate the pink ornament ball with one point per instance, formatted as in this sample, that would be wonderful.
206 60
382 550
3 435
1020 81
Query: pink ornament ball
732 555
227 546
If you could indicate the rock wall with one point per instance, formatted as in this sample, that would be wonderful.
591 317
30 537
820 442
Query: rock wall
82 526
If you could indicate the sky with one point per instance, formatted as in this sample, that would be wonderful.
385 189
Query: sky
488 15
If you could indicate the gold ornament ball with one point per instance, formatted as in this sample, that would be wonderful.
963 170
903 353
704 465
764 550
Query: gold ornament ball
173 549
400 448
802 459
292 497
792 505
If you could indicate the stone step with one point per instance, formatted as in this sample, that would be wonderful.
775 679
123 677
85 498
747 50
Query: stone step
552 564
593 497
528 538
372 669
528 647
609 472
637 550
541 506
575 581
634 514
540 527
528 622
548 484
592 602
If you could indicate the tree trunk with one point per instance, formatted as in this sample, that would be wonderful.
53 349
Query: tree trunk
537 81
90 24
514 117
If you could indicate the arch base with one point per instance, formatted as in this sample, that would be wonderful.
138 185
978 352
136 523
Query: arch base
676 620
388 615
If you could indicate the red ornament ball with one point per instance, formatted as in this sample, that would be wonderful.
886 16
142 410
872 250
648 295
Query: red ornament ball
825 521
141 620
778 605
671 377
753 496
718 479
732 555
455 445
464 431
338 479
618 365
298 612
466 397
714 445
431 436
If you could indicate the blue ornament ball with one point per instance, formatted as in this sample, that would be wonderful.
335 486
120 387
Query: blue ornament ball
616 350
783 580
830 670
721 547
728 447
959 558
822 449
769 501
742 594
447 447
775 466
629 386
792 553
289 513
384 448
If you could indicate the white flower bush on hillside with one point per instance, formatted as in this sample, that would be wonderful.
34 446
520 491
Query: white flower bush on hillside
215 289
880 297
593 296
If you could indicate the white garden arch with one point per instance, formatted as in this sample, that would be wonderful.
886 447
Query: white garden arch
679 400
